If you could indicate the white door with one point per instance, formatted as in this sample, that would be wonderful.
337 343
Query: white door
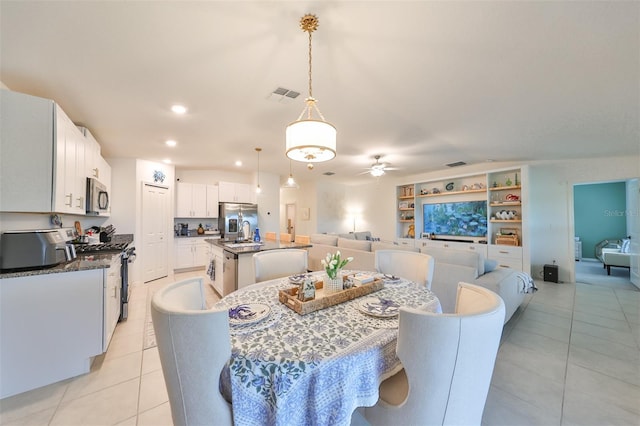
291 220
155 222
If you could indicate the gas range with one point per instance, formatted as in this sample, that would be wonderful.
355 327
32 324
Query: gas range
100 248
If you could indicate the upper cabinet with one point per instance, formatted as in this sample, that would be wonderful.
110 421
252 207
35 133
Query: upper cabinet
196 200
70 182
43 166
236 193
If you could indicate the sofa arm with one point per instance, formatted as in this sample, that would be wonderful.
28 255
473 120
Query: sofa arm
504 282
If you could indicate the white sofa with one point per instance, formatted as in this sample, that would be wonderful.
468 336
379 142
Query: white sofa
452 266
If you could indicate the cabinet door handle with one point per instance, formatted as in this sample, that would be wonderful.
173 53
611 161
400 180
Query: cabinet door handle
446 245
472 248
70 200
80 202
503 252
115 290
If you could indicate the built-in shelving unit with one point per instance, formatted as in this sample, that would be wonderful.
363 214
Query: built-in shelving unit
505 194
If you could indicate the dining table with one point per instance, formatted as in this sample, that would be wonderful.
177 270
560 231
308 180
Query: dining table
312 369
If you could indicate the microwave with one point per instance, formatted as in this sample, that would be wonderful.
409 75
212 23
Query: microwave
97 197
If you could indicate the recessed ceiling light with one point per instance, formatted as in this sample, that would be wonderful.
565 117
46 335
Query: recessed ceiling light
178 109
171 143
166 161
238 163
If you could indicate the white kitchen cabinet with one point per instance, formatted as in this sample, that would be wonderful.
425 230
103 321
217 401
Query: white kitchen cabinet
112 282
230 192
190 252
42 161
212 201
70 178
51 326
196 200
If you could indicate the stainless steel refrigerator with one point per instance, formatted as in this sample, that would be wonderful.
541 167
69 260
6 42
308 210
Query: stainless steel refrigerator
237 219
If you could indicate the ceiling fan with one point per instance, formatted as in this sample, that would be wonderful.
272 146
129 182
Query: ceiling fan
378 169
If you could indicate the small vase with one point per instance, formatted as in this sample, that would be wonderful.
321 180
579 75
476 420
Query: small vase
333 285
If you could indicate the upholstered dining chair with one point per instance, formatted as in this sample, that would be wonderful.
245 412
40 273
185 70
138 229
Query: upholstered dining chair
447 370
272 264
270 236
414 266
285 238
194 345
302 239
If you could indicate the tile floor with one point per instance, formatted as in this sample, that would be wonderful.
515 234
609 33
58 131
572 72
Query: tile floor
569 356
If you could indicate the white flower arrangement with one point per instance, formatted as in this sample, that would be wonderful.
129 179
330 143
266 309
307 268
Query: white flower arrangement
333 263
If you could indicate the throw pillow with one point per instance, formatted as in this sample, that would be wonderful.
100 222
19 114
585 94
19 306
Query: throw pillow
625 246
490 265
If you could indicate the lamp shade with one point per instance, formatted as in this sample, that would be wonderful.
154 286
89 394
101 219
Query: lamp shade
311 141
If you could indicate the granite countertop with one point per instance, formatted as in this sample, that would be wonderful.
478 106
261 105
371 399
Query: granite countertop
250 248
83 262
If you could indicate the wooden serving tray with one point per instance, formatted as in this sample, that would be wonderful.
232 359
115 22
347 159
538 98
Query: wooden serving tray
289 297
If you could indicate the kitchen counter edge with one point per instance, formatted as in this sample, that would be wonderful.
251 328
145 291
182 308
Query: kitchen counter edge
264 246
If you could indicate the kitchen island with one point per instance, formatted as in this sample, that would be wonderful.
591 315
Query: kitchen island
231 266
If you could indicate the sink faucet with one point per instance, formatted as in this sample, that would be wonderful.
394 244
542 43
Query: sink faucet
241 233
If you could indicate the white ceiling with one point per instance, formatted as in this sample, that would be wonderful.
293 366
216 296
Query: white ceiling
422 83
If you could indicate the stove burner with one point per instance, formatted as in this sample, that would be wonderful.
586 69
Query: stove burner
95 248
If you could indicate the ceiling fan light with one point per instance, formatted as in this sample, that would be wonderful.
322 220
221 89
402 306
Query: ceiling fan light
377 171
311 141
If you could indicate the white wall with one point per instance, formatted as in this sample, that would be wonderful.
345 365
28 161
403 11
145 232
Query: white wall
633 227
303 197
268 202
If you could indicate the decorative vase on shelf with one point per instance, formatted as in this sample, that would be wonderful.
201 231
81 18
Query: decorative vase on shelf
200 229
333 285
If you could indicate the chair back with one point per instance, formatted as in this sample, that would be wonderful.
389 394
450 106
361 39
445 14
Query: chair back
194 345
303 239
448 362
414 266
285 238
270 236
272 264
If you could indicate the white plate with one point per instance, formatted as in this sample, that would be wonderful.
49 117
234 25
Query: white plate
379 307
248 313
298 278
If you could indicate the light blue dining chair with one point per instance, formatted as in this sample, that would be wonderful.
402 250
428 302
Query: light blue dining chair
194 345
448 362
271 264
417 267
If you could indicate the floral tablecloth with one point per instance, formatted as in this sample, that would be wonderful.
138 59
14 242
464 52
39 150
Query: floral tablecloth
314 369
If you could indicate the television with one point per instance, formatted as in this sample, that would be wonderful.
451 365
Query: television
459 219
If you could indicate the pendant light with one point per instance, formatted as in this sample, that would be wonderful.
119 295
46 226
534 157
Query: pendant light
258 189
309 139
291 182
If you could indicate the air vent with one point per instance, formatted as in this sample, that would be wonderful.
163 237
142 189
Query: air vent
329 173
456 164
282 94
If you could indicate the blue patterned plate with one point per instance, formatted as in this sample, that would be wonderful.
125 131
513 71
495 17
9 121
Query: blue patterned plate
298 278
248 313
379 307
390 278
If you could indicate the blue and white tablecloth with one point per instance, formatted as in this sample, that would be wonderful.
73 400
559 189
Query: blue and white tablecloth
315 369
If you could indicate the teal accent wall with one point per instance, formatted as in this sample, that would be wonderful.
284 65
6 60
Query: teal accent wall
599 213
